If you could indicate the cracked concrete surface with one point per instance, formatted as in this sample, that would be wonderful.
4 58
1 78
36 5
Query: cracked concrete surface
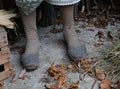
52 49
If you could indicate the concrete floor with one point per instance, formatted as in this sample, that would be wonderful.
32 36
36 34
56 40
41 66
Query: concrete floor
53 49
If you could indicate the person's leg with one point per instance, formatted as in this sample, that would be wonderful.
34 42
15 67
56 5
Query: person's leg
30 58
76 50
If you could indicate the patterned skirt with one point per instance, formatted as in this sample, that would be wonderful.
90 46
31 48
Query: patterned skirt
29 5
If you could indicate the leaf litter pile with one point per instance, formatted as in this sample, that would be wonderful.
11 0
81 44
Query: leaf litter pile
58 72
110 61
100 69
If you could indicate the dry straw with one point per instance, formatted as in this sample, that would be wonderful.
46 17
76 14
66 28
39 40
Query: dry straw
5 19
111 62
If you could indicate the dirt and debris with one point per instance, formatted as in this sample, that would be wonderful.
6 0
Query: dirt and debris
58 73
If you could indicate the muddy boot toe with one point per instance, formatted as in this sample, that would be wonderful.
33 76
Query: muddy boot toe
30 61
77 52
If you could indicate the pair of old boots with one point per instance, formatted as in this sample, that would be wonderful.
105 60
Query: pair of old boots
30 59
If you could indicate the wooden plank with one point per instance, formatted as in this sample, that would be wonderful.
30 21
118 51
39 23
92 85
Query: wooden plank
3 37
4 61
2 29
5 74
4 56
7 66
3 34
3 43
4 53
4 49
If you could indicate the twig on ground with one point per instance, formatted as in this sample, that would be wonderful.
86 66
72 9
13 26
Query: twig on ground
94 84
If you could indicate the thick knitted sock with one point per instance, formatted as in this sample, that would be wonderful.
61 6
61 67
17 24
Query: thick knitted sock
76 51
68 26
30 58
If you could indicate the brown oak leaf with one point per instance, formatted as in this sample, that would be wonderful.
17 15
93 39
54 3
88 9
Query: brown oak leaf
99 73
74 85
105 84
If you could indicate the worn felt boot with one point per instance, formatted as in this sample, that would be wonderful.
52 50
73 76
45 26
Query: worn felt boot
30 59
76 51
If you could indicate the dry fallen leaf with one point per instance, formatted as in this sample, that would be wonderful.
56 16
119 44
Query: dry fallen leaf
1 83
97 24
62 82
115 84
100 35
14 84
118 85
61 68
84 25
90 21
103 21
54 86
109 36
21 50
74 65
97 45
56 30
86 64
22 74
105 84
53 70
58 72
58 19
99 73
58 75
69 66
74 85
